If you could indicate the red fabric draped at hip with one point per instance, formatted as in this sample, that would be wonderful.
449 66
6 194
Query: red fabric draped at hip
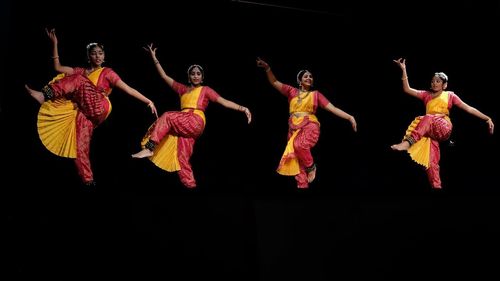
79 89
183 124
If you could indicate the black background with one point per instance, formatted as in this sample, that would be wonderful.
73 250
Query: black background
369 215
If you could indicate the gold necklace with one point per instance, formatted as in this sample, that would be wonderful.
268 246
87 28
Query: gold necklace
299 98
92 69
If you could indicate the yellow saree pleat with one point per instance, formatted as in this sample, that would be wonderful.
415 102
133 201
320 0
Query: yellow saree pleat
57 127
56 124
419 151
165 154
289 164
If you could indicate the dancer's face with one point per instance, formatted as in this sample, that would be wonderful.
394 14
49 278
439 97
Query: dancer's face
195 76
437 84
307 80
96 56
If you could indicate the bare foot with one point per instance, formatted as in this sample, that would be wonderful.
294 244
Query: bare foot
311 175
404 145
143 153
38 96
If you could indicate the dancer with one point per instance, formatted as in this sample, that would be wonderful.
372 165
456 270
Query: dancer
304 127
169 141
75 102
424 134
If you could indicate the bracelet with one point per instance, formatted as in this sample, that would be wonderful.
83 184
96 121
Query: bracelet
150 103
488 120
404 78
56 57
268 69
156 61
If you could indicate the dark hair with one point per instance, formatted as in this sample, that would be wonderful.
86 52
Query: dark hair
92 46
442 76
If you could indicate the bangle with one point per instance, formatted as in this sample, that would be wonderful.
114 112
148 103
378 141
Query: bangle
488 120
150 103
56 57
268 69
156 61
404 78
